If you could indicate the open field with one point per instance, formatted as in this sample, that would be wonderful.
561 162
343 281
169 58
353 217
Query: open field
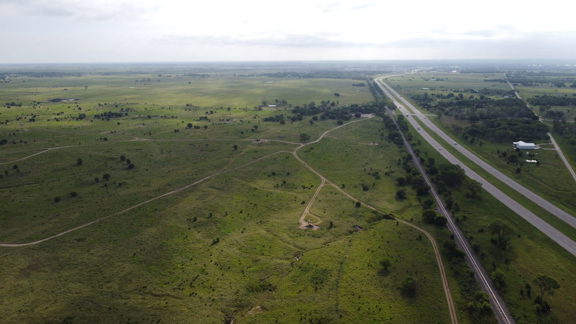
228 246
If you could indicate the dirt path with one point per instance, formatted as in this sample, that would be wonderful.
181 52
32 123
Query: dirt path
563 157
323 182
441 268
438 256
304 223
138 139
35 154
141 203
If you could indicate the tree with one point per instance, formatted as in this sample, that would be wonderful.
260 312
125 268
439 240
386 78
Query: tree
546 285
304 137
386 263
79 162
235 147
498 279
502 234
480 306
440 221
429 216
400 195
451 175
319 277
189 125
122 158
131 166
106 176
408 287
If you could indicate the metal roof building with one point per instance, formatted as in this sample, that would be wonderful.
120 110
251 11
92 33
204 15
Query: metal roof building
524 146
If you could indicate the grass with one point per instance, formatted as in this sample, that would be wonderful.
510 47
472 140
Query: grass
227 248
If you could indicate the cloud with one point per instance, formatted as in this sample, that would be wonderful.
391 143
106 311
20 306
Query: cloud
81 10
342 6
290 40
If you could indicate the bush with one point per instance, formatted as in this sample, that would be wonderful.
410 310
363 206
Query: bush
304 138
440 221
408 287
400 195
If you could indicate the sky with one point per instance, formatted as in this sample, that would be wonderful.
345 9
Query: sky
102 31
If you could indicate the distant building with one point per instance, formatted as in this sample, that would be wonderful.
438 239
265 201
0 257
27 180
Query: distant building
524 146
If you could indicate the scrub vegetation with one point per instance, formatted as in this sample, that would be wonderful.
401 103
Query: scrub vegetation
196 191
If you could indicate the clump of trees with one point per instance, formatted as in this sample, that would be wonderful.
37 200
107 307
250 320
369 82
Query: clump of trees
549 101
546 286
328 110
494 119
501 235
111 115
319 277
479 306
430 216
408 287
385 265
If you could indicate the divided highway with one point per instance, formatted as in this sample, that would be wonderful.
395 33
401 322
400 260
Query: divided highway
500 309
563 215
557 236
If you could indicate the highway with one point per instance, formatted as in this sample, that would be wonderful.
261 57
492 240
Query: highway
500 310
553 209
554 234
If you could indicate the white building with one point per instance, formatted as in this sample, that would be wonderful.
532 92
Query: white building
524 146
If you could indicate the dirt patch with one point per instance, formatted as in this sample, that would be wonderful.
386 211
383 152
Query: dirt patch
309 226
358 228
29 269
255 310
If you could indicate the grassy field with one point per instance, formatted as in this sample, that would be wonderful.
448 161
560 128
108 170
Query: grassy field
226 248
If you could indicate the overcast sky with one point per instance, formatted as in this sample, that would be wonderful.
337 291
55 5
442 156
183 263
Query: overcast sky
71 31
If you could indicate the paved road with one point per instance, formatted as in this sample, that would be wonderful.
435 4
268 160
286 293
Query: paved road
498 305
557 236
563 215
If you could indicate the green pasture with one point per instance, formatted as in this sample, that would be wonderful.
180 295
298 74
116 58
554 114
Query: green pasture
226 248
